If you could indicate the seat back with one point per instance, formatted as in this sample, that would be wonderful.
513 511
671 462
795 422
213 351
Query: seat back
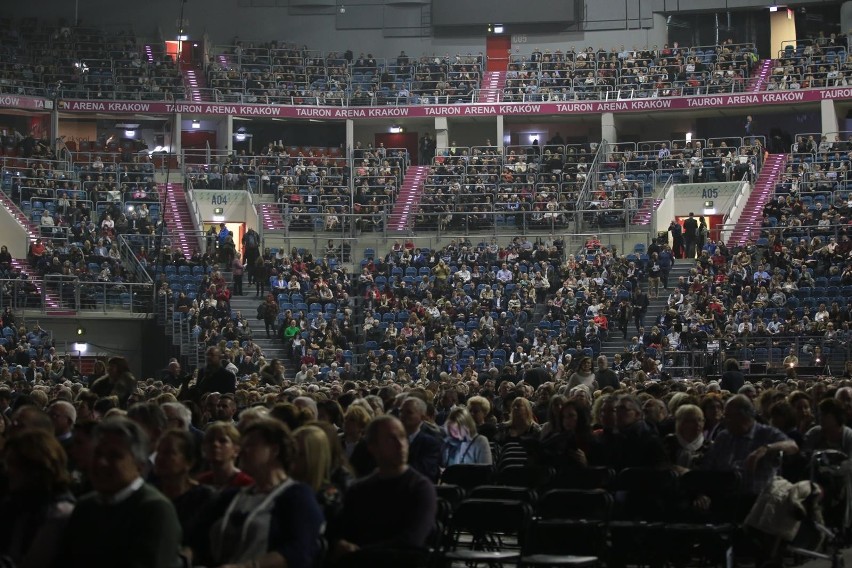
505 492
467 476
488 518
589 504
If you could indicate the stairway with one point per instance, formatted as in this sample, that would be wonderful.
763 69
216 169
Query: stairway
646 212
148 50
408 198
760 76
181 230
492 86
273 348
52 302
616 344
196 84
31 228
748 224
270 214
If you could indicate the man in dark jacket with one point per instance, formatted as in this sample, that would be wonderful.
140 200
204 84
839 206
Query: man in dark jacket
213 378
640 307
424 453
125 522
690 235
638 445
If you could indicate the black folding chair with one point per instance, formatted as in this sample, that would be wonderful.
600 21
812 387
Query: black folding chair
505 493
582 515
495 529
532 476
467 476
704 533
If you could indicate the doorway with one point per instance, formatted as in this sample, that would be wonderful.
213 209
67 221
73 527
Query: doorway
407 140
497 51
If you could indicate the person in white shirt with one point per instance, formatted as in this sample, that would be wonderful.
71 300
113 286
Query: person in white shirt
464 274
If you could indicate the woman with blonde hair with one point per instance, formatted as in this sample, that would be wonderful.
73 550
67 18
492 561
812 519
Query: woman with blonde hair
463 443
312 466
355 422
687 445
521 425
480 410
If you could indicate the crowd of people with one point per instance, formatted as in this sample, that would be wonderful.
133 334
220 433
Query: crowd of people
650 72
84 62
222 471
80 62
275 72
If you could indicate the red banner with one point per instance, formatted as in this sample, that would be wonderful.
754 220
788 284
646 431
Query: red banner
420 111
22 102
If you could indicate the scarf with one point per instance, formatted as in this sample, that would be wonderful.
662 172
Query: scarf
692 446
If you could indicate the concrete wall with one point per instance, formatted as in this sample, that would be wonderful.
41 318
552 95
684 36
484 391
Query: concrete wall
140 341
236 205
12 234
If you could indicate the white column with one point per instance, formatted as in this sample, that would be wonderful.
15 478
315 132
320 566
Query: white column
350 135
499 141
442 133
226 132
608 130
828 115
176 135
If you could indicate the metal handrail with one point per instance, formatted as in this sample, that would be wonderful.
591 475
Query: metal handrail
592 174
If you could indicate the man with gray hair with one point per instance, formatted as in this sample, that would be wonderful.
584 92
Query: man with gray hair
125 521
747 446
307 403
63 415
844 395
424 452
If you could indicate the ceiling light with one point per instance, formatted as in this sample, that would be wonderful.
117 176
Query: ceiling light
196 124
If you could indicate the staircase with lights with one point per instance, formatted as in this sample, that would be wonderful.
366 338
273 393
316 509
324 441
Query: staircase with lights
408 199
492 86
646 212
760 77
270 216
748 225
196 84
181 229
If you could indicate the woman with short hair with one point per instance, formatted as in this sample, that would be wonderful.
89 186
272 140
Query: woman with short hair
274 522
220 448
687 445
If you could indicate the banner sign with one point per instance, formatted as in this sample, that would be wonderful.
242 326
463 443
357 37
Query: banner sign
425 111
23 102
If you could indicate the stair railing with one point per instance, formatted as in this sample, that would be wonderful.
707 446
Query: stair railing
592 179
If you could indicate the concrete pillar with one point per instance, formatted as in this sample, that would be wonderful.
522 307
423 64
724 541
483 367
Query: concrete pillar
846 17
225 133
53 132
499 142
828 116
442 133
782 27
176 147
350 135
608 129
